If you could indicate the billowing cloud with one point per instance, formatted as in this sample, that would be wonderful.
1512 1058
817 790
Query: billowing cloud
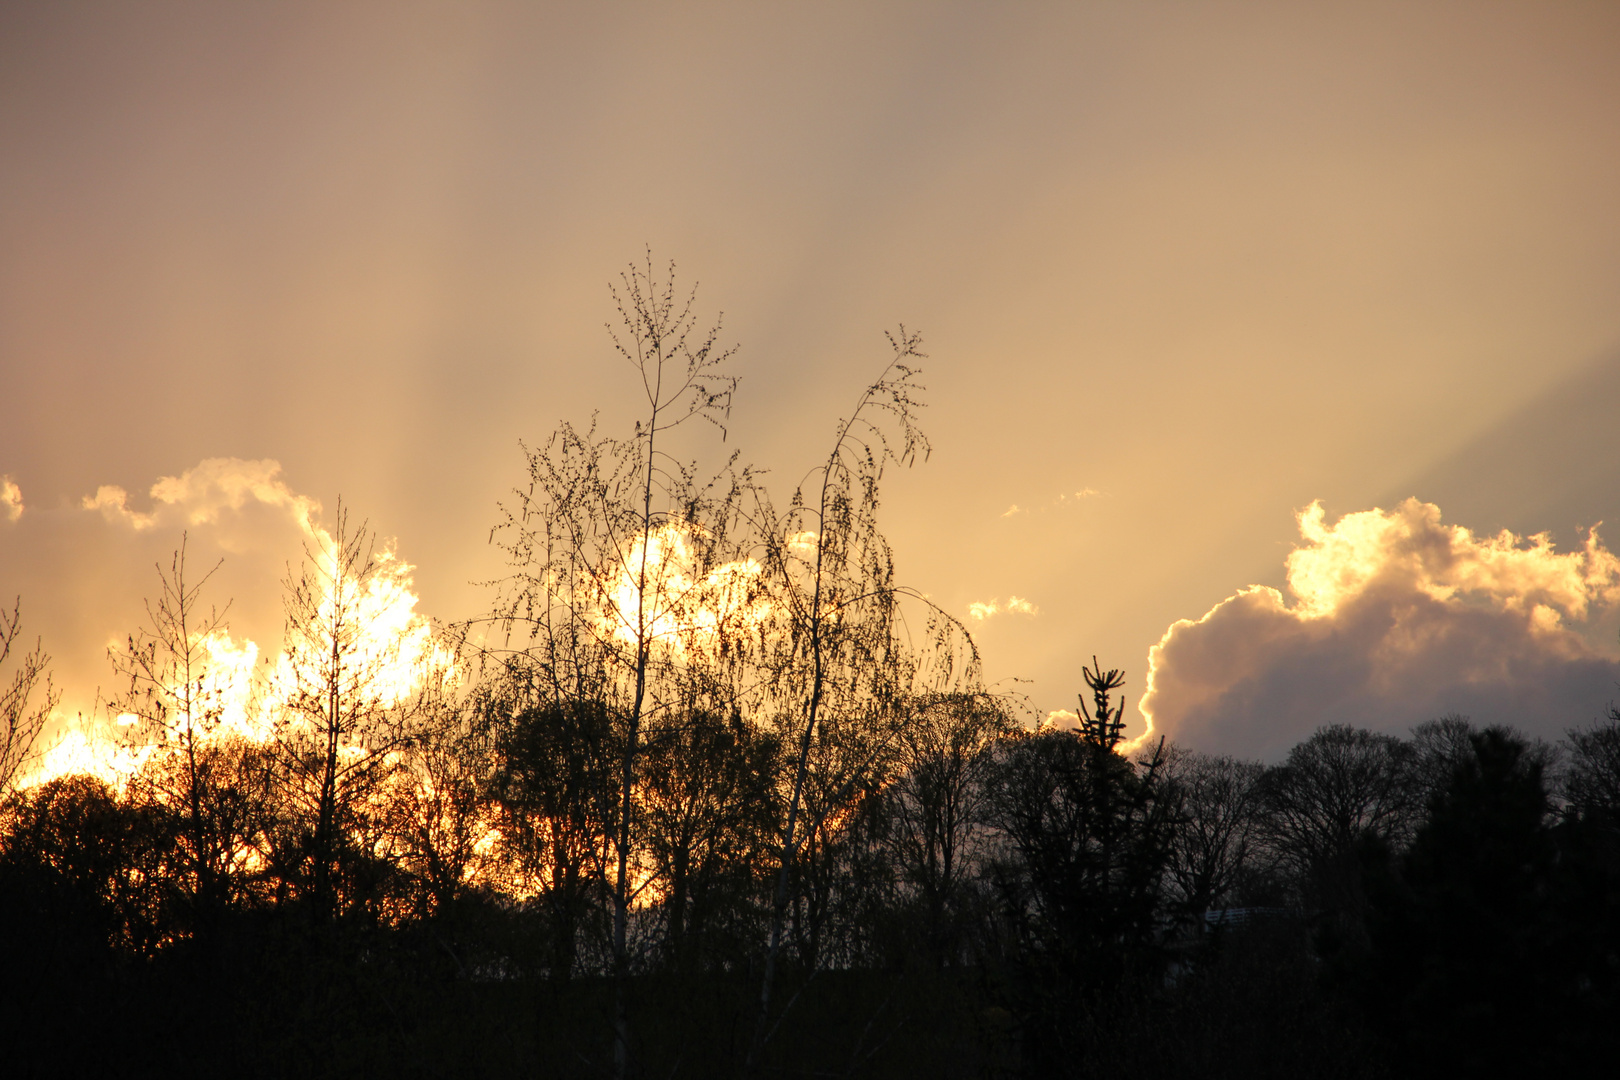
1395 618
209 494
84 572
979 611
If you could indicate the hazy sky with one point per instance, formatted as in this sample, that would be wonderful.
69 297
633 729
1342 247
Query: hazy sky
1181 269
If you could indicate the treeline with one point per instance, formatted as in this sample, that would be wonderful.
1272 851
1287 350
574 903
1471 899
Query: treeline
710 793
992 902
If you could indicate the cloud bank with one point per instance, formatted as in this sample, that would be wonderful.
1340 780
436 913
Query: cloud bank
1395 618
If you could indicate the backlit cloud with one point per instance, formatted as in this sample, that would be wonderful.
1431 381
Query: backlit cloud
11 503
1014 605
202 494
84 572
1395 618
1061 720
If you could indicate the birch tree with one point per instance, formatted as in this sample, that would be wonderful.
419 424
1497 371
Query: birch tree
624 568
844 672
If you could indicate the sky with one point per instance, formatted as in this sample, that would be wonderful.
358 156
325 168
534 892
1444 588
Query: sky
1209 291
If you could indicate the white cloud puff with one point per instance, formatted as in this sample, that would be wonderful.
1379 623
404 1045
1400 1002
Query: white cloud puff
979 611
1061 720
1396 618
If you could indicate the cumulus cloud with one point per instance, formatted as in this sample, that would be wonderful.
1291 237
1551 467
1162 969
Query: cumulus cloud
1395 618
84 570
206 494
1062 720
1014 605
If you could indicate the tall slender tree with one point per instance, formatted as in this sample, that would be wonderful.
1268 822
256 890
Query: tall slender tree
617 552
843 671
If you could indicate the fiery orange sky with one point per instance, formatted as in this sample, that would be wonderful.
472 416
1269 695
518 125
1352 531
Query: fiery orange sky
1182 271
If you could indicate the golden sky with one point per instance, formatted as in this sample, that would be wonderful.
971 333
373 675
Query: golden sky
1182 269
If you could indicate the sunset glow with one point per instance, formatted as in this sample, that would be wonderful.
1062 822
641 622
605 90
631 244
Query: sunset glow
237 695
686 608
893 539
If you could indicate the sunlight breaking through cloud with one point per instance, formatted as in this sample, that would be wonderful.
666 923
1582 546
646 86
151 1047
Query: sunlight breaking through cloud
687 607
245 697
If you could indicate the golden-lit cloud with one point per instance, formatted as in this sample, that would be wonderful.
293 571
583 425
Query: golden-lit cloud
687 606
242 516
89 749
979 611
1061 720
1395 618
202 494
11 503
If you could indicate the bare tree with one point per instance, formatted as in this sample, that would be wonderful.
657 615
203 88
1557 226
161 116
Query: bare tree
619 557
22 716
843 671
1337 790
352 704
1222 804
938 804
1593 783
175 704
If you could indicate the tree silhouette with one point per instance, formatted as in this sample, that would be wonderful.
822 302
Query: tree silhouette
1337 792
22 716
1214 850
352 704
1089 834
174 703
614 546
842 676
1469 955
